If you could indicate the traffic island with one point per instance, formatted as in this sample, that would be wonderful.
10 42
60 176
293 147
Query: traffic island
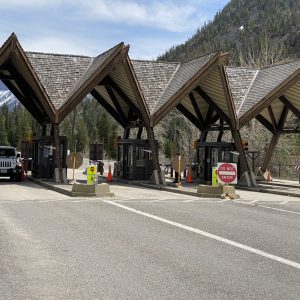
91 190
221 191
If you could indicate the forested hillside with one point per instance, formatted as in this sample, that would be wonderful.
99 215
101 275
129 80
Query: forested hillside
247 27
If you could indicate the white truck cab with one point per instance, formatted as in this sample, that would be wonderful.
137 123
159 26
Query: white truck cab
10 165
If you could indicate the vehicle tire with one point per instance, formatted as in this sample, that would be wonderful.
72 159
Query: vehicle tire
12 178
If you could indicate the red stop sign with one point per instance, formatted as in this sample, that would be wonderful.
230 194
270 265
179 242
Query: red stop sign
227 173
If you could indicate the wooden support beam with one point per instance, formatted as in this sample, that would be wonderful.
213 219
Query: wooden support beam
57 157
271 148
139 133
126 133
197 111
221 132
220 135
283 117
44 130
26 89
286 102
154 151
275 138
271 113
32 109
290 130
209 116
203 136
188 115
239 148
108 81
215 118
117 105
108 108
6 77
213 104
218 128
265 123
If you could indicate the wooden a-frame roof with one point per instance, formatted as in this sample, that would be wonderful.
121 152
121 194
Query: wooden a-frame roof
19 76
166 85
51 85
270 94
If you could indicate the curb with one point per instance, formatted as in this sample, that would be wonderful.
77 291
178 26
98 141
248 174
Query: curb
50 186
268 191
166 189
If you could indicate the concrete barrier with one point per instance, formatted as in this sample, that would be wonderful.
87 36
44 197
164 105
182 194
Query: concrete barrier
85 190
221 191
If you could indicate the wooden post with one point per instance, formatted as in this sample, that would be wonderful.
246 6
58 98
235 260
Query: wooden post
275 137
151 138
270 151
238 145
57 159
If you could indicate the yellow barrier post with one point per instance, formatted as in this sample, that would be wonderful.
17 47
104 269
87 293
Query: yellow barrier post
179 182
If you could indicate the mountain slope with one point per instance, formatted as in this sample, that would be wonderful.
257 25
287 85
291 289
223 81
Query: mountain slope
6 97
246 27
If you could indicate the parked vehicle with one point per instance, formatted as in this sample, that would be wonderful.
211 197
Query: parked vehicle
10 163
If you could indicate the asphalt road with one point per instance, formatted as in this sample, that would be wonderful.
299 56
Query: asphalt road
146 244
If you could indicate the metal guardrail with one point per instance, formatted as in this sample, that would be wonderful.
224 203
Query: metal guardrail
284 171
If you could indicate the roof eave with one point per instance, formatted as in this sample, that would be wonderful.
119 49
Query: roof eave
269 98
137 89
90 83
182 92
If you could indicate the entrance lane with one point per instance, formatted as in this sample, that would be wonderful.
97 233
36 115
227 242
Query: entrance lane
65 249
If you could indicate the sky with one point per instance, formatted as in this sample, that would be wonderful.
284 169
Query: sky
90 27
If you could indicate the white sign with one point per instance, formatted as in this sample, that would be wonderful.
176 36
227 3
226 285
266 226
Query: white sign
227 173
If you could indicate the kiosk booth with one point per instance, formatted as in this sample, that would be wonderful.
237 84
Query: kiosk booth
43 156
134 160
208 154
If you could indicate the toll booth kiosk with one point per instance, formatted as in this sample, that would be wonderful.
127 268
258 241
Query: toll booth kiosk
43 156
134 160
208 154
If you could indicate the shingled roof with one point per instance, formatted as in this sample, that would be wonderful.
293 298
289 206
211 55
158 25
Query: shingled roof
251 86
58 73
240 81
62 75
153 77
266 81
160 81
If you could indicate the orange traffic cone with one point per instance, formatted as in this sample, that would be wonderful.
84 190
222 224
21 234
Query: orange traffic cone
109 174
189 176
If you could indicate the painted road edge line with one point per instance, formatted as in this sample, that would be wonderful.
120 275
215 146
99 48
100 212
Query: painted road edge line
279 209
210 235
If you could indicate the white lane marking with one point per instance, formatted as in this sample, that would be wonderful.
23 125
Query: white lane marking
284 202
280 209
243 202
211 236
252 202
269 207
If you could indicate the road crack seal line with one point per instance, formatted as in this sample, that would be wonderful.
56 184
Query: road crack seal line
211 236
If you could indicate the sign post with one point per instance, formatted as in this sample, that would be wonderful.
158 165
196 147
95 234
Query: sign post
179 171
